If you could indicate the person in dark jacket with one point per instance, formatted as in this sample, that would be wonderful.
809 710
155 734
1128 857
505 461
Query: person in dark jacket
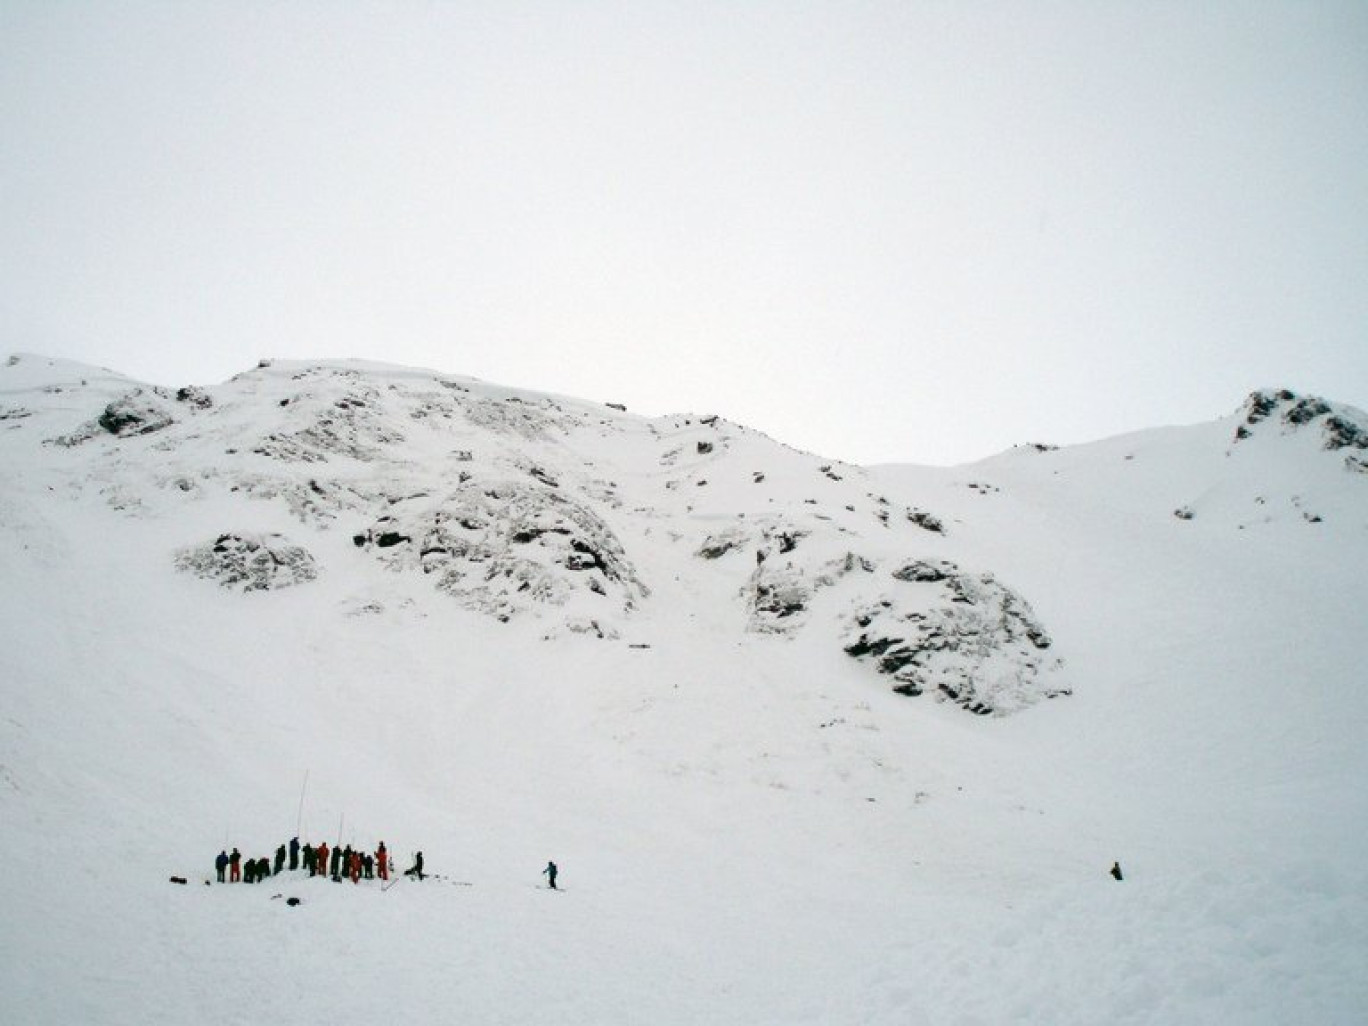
416 871
1116 870
550 873
294 854
279 861
309 863
221 865
235 867
336 865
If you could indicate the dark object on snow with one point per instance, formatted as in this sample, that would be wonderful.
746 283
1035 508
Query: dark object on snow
417 869
292 902
1116 870
178 879
550 873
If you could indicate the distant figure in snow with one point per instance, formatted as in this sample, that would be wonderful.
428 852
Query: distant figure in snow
279 860
417 871
221 864
294 854
249 871
309 863
1116 870
368 866
550 873
382 861
336 862
235 867
354 867
321 858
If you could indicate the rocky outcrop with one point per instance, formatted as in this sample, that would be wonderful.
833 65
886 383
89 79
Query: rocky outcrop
1341 427
140 412
249 562
503 547
965 636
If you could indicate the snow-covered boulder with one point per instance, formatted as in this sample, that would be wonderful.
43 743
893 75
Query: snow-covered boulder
966 636
504 546
249 562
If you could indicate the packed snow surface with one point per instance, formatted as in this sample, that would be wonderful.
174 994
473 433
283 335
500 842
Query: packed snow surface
809 742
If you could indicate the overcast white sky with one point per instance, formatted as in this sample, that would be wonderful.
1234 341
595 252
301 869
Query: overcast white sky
916 232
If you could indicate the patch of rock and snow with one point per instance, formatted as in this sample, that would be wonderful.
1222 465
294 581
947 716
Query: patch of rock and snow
249 562
501 546
966 636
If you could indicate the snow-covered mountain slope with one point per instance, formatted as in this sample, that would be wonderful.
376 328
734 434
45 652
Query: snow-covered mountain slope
725 684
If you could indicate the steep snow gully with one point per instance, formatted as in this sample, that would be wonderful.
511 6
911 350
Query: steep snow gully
809 742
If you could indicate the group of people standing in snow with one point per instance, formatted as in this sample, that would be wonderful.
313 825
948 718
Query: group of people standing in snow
319 860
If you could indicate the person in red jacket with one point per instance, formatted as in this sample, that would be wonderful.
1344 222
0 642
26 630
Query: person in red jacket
235 867
322 857
382 861
355 868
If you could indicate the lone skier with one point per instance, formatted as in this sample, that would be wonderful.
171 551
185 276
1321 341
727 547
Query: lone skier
417 871
1116 870
550 873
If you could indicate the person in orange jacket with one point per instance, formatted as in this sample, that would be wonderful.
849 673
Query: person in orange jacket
322 857
382 861
354 870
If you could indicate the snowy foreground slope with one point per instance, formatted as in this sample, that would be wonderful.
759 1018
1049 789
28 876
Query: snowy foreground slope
810 742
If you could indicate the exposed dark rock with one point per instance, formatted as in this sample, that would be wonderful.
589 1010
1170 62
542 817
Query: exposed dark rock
134 414
963 635
249 562
719 545
1306 410
195 396
923 572
926 521
1341 433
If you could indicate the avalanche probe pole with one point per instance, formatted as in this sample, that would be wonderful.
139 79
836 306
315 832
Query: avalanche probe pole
300 821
